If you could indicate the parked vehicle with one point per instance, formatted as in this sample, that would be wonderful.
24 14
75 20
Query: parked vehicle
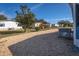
9 26
65 33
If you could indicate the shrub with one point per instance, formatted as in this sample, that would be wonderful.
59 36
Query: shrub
37 28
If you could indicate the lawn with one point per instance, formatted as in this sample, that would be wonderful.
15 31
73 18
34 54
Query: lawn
9 33
13 33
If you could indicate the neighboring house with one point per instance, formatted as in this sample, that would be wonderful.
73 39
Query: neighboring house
36 24
49 25
41 25
9 25
56 25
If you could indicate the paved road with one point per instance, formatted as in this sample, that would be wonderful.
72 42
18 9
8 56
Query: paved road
43 43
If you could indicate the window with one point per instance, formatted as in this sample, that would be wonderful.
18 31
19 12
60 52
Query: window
2 25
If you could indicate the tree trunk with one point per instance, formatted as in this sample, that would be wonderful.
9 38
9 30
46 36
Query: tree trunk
24 27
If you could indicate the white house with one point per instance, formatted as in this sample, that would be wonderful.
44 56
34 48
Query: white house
56 25
9 25
36 24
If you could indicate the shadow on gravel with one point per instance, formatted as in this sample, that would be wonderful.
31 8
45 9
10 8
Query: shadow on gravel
43 45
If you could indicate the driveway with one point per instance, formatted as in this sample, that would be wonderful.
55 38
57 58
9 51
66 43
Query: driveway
42 43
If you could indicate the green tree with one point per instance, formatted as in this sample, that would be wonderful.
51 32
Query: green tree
25 17
43 21
3 17
65 23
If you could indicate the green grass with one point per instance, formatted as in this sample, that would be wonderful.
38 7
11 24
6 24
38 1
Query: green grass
17 32
9 33
12 33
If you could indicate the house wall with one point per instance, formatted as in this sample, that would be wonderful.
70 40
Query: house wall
35 25
76 40
76 24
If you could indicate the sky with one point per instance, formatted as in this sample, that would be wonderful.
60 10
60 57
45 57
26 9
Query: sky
51 12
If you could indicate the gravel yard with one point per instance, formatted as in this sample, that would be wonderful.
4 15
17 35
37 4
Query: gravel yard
42 43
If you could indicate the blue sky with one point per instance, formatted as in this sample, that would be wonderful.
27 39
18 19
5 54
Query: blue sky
50 12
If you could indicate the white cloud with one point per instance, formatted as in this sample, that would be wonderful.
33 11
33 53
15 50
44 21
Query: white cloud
3 13
56 20
69 19
36 6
